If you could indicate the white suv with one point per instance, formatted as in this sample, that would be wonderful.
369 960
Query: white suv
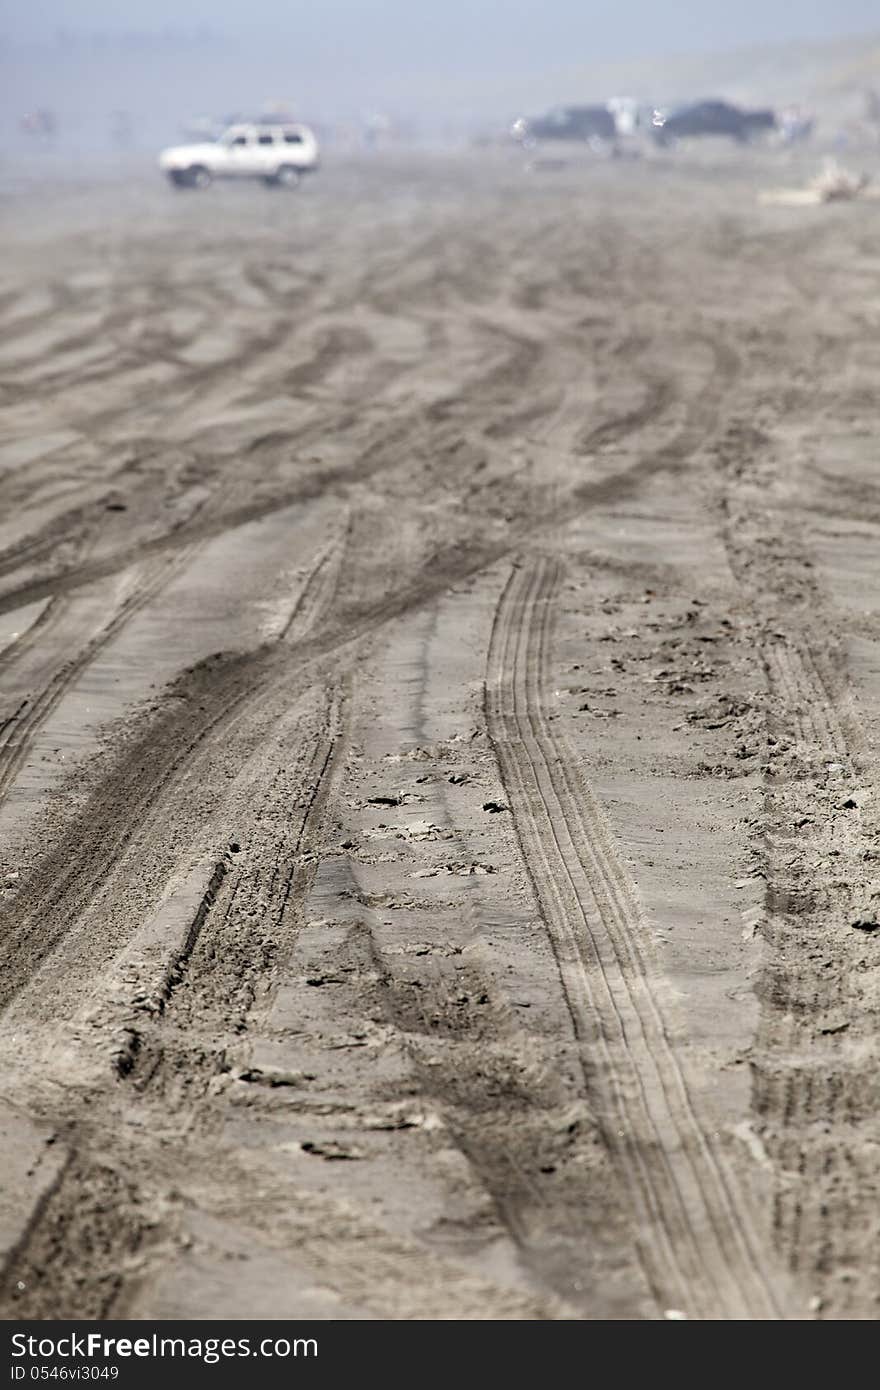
277 154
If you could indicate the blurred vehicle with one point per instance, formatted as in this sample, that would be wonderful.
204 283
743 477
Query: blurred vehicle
711 118
630 115
277 154
578 123
795 125
41 123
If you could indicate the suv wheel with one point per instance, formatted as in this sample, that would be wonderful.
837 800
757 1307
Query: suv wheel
285 177
195 177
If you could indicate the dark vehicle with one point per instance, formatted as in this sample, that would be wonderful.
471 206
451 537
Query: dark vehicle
712 118
582 123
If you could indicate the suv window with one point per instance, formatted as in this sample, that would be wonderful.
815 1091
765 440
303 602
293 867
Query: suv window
240 140
266 139
293 139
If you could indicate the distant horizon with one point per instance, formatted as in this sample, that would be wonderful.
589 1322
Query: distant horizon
167 72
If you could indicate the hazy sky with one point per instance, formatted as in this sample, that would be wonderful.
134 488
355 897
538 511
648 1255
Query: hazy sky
335 56
440 33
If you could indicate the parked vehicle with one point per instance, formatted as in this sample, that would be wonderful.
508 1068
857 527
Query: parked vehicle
579 123
711 118
278 154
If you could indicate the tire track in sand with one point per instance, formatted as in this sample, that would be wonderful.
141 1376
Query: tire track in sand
792 671
693 1228
94 846
177 1025
17 739
233 946
146 582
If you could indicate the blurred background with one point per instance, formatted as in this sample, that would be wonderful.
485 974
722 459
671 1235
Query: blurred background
92 76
